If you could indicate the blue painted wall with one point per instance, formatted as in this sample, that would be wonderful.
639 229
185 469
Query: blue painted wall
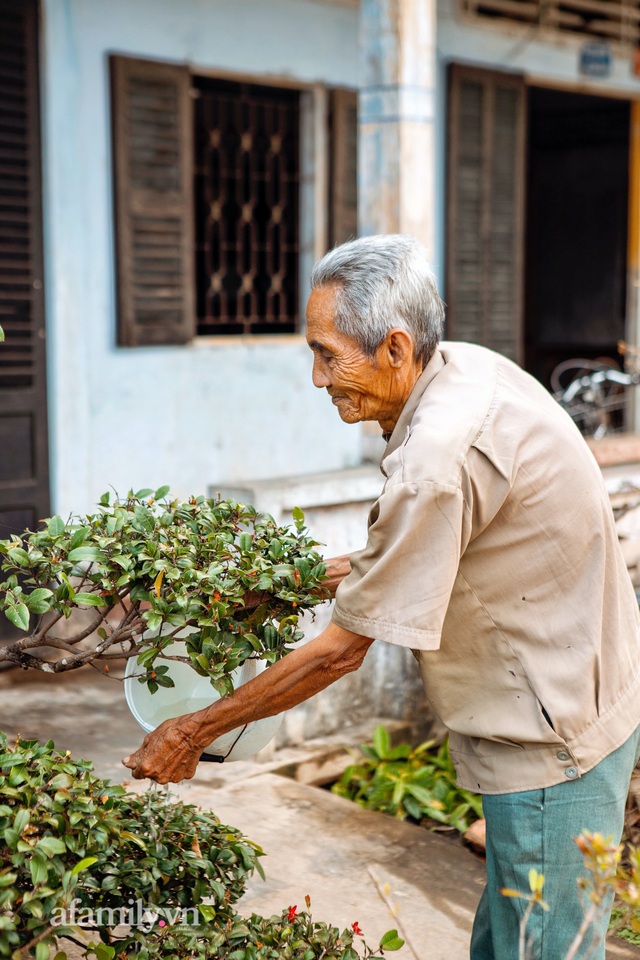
189 416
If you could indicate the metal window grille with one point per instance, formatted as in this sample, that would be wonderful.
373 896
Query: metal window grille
246 207
614 20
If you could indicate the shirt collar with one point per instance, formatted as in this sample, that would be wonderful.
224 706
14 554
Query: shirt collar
397 437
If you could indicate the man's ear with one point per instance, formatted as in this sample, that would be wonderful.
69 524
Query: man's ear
399 347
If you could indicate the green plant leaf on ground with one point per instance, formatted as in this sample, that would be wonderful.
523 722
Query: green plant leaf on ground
404 781
622 923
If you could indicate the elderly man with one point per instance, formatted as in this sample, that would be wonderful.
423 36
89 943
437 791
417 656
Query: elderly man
492 554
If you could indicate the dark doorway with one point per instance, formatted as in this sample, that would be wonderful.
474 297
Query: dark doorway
576 228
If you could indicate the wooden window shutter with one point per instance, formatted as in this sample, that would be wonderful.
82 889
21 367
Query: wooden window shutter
24 479
485 209
153 169
344 166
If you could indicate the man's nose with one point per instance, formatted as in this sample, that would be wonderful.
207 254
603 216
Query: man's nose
319 377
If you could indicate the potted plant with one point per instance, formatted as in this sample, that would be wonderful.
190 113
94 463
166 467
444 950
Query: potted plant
147 568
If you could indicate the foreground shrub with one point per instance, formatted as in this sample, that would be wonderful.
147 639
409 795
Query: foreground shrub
78 847
141 875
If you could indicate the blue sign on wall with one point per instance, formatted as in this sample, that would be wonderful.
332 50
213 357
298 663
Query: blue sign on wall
595 59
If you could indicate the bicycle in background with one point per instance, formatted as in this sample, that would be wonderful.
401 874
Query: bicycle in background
594 392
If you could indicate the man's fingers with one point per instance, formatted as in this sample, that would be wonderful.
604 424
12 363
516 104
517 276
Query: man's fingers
165 755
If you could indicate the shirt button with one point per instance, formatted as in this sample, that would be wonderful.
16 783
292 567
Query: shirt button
571 773
563 755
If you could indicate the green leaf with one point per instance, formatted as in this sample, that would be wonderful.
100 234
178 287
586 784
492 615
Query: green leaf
40 593
87 553
165 681
38 868
10 835
42 951
21 820
83 865
147 656
51 846
161 492
153 619
298 515
144 516
38 601
61 781
145 492
56 526
18 614
79 537
391 941
422 795
89 600
381 741
19 556
128 835
1 335
104 952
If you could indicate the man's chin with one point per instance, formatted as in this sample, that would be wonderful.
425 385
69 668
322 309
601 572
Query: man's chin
348 415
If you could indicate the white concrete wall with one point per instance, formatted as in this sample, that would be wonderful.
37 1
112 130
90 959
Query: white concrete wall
188 416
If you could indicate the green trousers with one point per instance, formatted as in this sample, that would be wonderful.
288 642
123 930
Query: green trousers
536 828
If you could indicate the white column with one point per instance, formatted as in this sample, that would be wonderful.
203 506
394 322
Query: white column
396 174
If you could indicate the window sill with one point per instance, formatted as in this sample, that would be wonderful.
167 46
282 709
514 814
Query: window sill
251 340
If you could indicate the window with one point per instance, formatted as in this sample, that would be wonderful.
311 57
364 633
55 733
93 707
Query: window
208 201
246 196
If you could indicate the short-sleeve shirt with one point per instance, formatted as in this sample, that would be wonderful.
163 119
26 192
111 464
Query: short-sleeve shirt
492 553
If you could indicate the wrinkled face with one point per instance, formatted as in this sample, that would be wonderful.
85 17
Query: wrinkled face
361 387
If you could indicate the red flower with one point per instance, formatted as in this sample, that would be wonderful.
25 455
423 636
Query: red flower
293 912
356 929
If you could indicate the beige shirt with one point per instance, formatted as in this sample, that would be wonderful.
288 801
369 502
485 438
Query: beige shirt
492 554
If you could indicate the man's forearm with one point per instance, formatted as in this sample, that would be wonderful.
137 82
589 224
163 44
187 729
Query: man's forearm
301 675
171 752
337 569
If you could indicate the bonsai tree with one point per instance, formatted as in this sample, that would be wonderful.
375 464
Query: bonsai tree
147 568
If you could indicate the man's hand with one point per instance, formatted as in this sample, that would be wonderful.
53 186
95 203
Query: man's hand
171 752
167 755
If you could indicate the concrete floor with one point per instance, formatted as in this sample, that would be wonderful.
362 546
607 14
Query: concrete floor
317 844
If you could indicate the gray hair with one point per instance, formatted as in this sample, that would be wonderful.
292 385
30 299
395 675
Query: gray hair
383 282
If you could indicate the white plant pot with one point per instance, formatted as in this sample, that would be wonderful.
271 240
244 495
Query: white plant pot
193 692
